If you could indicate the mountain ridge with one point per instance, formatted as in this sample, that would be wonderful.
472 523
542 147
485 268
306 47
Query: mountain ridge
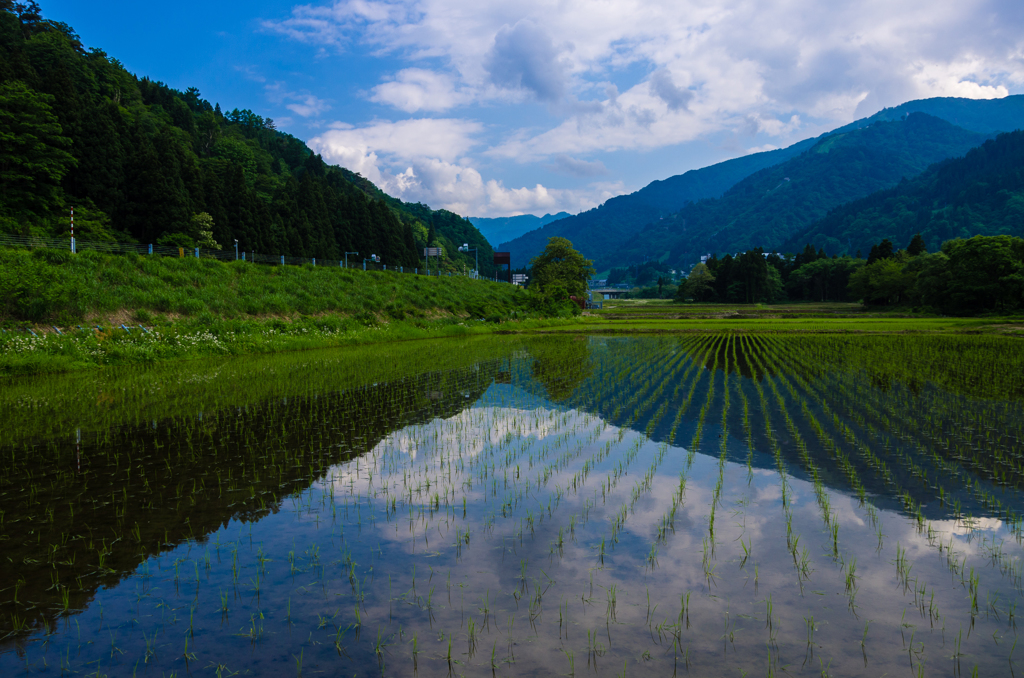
500 229
598 231
768 207
981 193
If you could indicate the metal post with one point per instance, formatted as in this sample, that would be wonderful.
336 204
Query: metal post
314 261
197 253
236 249
282 260
476 252
151 248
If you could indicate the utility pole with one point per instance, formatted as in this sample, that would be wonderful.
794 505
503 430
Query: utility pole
466 248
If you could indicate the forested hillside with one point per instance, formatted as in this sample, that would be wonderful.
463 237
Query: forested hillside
767 208
600 232
140 161
979 194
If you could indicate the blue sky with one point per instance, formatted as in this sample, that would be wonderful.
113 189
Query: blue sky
494 109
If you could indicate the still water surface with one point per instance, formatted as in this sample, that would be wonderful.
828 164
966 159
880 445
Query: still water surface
704 505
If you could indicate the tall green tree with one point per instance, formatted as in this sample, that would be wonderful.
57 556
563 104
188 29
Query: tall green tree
33 155
561 266
698 285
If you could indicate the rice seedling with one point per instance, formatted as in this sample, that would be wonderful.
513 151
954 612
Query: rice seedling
385 475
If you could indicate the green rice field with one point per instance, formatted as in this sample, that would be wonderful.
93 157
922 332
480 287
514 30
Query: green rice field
705 503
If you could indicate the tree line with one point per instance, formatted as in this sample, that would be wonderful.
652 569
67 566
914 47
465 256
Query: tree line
967 276
140 161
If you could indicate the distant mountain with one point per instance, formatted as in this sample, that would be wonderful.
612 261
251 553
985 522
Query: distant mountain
979 194
767 208
599 232
502 229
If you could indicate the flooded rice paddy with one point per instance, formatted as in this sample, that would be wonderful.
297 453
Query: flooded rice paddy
699 505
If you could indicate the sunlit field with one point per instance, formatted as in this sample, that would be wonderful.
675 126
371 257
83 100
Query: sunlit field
702 504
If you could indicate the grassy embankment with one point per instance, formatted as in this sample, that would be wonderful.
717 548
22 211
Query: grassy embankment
194 307
652 316
62 312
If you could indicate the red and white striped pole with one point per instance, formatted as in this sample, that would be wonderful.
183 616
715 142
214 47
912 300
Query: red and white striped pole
72 229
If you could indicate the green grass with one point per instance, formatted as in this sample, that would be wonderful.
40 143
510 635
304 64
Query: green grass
189 308
870 325
56 287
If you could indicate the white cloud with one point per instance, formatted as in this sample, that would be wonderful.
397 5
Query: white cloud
443 138
664 87
308 106
524 57
418 89
302 103
423 161
765 71
727 60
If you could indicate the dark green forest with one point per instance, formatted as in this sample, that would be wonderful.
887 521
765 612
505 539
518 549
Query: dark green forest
142 162
977 275
981 193
767 208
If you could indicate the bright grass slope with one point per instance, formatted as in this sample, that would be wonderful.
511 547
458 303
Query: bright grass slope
63 312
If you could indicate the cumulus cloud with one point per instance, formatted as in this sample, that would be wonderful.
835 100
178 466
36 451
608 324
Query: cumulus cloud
418 89
666 90
637 75
729 59
424 161
524 57
443 138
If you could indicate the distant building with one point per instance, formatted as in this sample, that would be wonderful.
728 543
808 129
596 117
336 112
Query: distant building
601 294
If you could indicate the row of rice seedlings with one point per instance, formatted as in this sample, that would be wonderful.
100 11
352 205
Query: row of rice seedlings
1009 566
695 442
827 442
667 521
747 428
952 561
862 401
961 451
801 564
